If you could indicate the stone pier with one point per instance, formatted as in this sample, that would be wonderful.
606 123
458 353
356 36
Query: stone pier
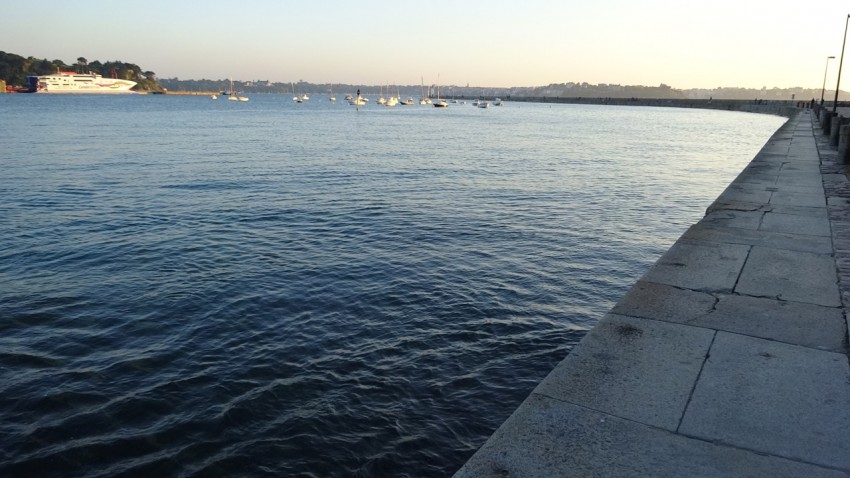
729 357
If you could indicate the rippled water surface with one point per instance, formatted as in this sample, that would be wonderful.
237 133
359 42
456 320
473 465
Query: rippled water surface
200 288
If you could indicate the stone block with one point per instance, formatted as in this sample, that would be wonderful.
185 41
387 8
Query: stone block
790 275
547 438
796 224
639 369
774 398
790 322
791 242
706 267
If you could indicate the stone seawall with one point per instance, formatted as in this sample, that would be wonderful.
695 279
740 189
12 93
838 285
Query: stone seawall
775 107
729 357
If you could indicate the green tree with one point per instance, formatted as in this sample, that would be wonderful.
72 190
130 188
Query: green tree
82 63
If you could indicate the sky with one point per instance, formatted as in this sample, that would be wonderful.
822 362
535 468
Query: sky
495 43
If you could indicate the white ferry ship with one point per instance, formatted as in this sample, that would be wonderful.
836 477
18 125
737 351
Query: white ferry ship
70 82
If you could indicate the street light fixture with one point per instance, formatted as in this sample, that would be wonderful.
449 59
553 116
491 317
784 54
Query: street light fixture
840 62
823 88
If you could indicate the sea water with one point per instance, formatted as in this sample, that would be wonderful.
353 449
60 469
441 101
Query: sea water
192 287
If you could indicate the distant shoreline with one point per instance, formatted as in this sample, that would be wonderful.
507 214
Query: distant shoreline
779 107
755 105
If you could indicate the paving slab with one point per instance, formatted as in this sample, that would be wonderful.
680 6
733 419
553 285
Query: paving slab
741 194
766 163
797 210
707 267
752 178
798 199
664 302
808 221
733 218
790 275
800 174
778 240
732 205
612 368
548 438
797 224
806 164
790 322
774 398
799 187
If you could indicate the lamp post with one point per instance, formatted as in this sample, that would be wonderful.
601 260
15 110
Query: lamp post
840 62
823 88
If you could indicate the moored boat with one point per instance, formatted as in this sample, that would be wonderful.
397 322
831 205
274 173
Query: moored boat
70 82
359 101
439 103
233 95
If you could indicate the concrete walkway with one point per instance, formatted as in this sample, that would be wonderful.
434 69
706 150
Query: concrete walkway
728 358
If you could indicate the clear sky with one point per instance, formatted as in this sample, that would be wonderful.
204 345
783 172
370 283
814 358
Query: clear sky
682 43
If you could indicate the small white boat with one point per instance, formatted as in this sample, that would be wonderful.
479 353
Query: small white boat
213 97
483 104
408 101
359 101
440 103
233 96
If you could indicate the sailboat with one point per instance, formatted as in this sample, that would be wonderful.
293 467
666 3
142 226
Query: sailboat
424 100
440 103
332 98
381 99
233 96
392 100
